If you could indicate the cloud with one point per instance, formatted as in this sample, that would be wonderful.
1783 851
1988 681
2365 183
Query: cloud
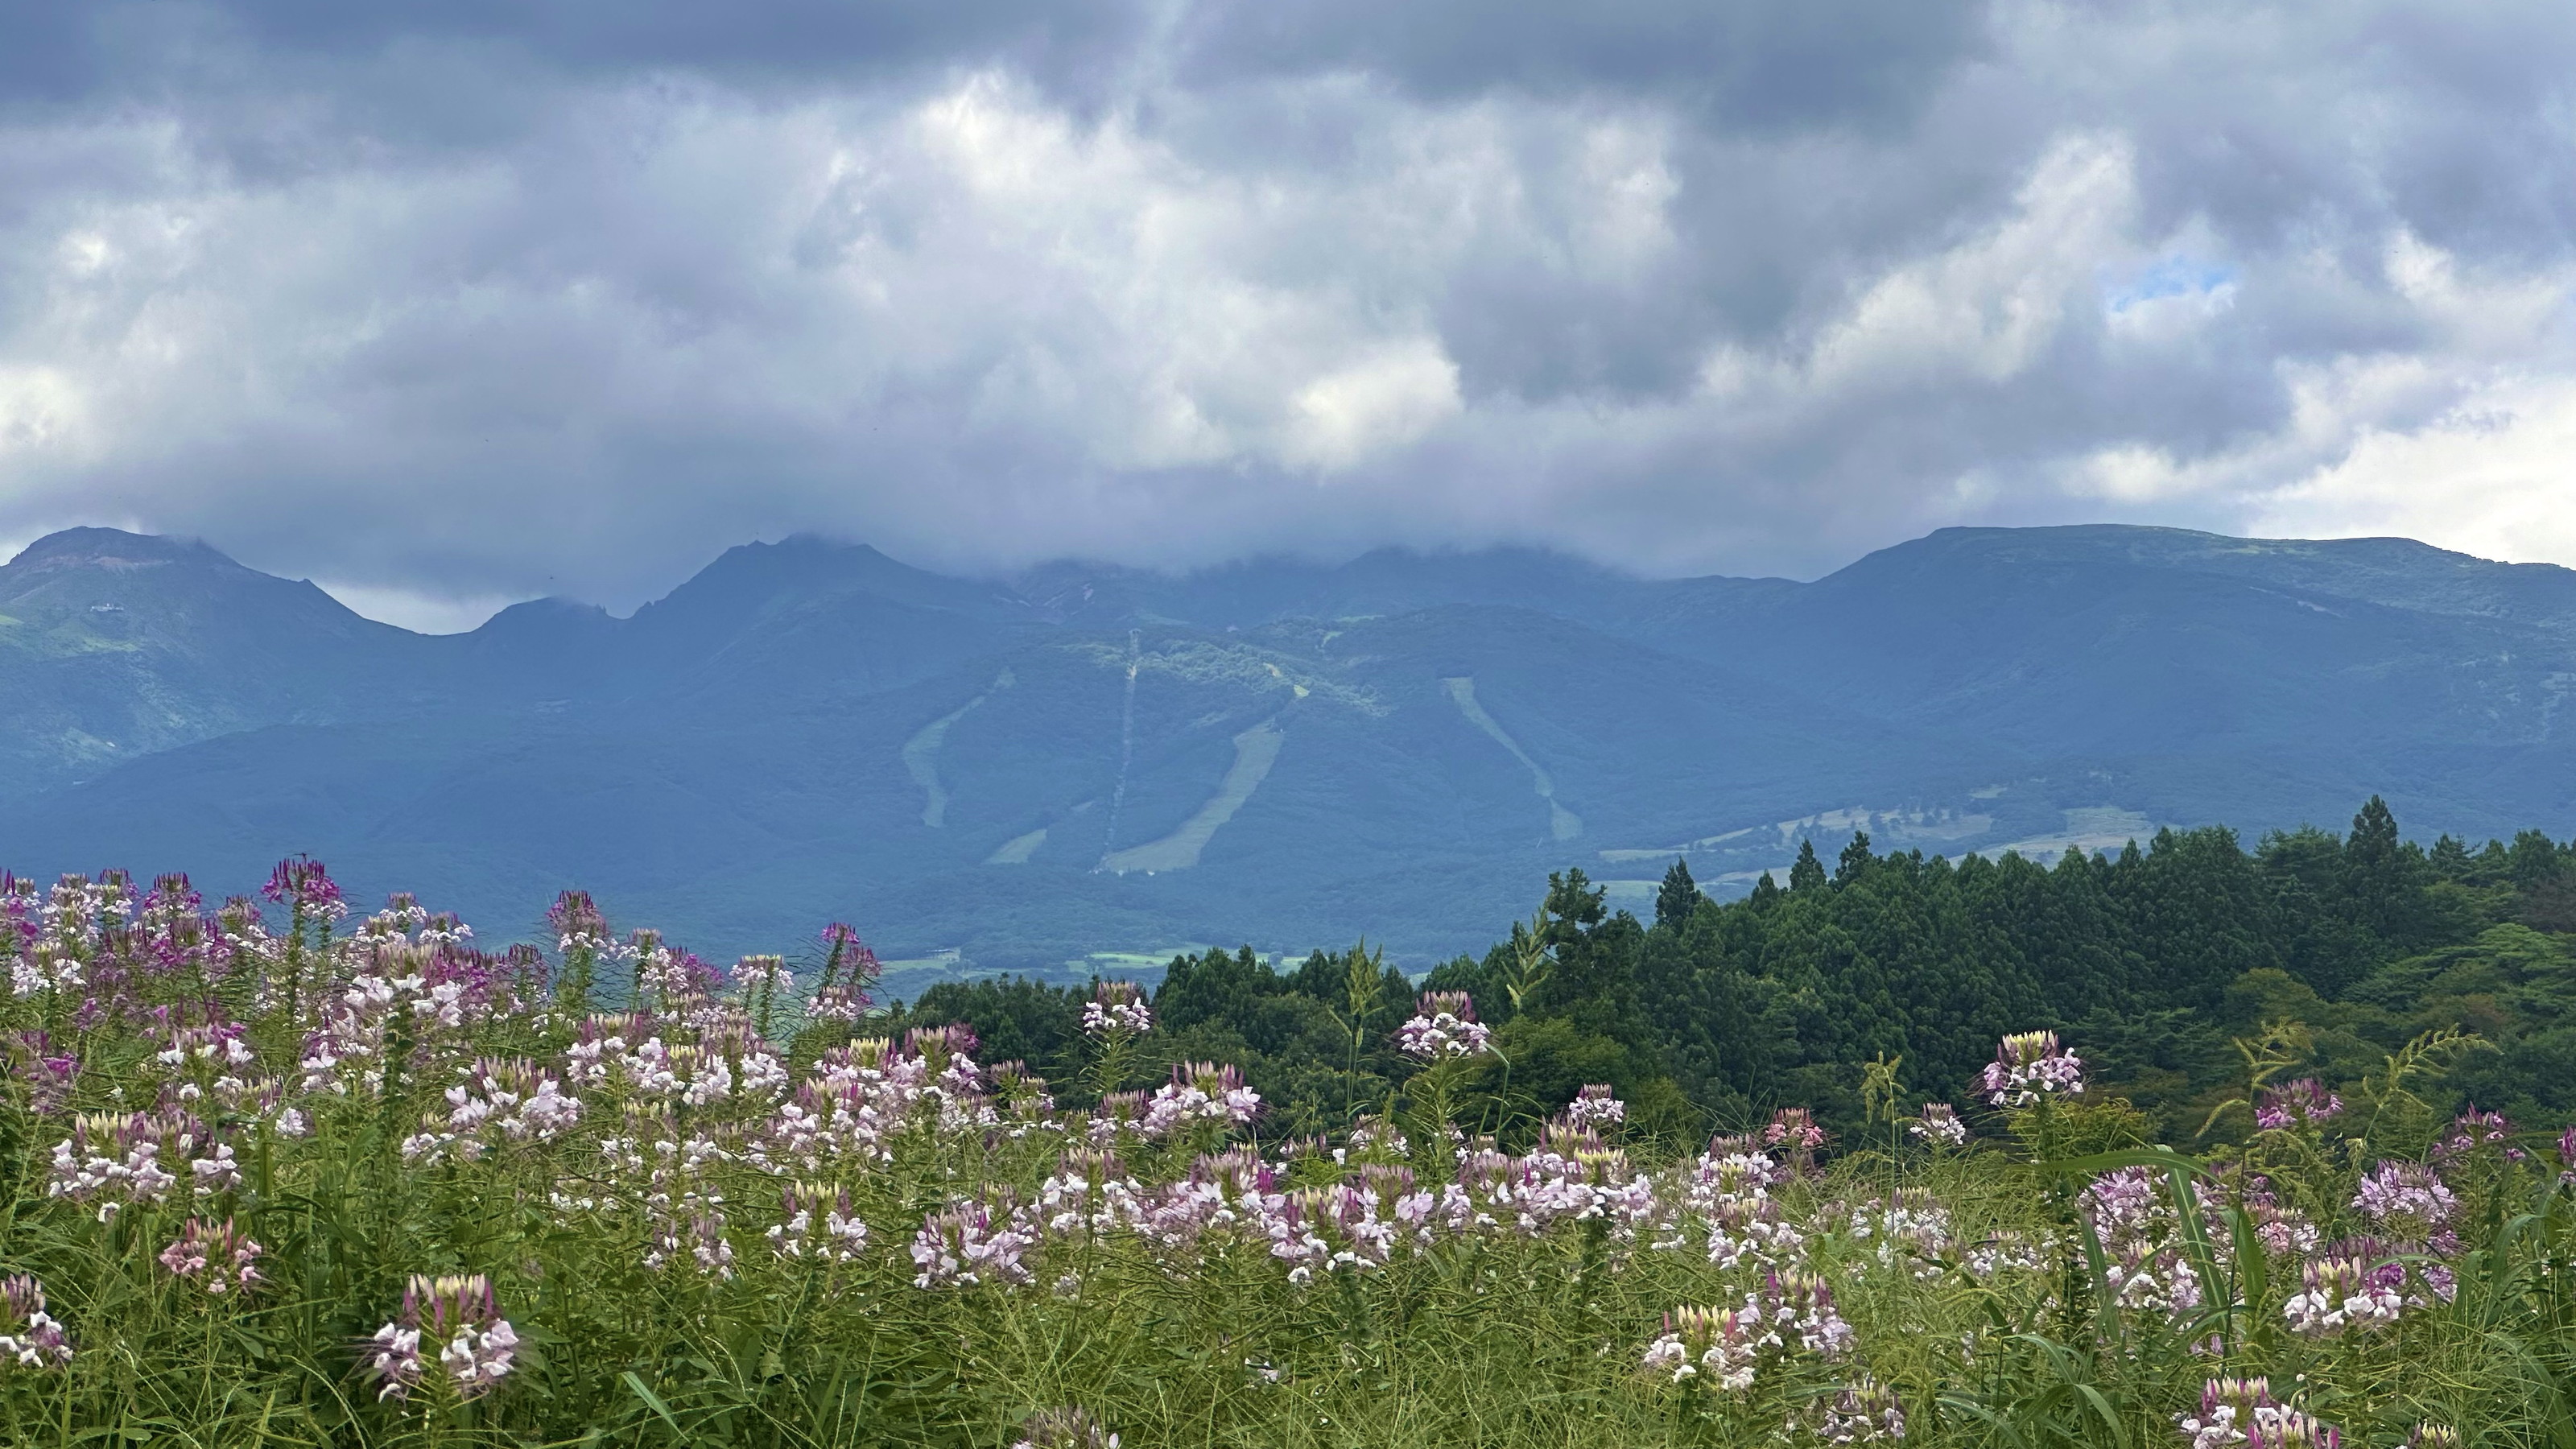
462 303
420 611
2491 475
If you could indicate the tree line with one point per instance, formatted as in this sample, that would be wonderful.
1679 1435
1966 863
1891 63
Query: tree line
2160 963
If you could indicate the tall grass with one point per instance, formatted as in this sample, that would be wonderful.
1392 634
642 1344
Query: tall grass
715 1216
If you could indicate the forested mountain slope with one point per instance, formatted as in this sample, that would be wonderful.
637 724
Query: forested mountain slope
1088 758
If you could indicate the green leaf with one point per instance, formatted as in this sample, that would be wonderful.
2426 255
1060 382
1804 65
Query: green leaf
2102 1408
2164 1157
2214 1290
2113 1327
1975 1410
654 1402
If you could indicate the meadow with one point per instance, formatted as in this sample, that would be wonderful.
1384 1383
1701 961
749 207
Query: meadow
280 1173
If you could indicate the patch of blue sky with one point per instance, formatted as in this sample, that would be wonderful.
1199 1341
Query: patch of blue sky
2175 276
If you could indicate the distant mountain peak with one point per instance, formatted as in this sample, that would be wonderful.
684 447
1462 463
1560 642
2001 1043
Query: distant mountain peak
808 540
550 611
77 547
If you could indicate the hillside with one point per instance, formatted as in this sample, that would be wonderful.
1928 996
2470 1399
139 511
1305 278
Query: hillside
1093 758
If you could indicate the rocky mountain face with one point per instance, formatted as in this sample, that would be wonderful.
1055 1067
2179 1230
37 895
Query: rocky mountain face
1088 758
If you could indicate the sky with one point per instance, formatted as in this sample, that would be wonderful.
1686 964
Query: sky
445 303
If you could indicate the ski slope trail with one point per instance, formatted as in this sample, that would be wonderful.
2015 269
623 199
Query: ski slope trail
1564 824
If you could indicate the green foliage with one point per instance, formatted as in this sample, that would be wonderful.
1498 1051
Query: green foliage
1678 896
1990 1314
1016 1019
2156 958
634 1256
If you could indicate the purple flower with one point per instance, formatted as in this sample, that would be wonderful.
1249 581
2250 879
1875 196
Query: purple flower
1119 1112
1940 1124
1863 1413
1200 1092
754 974
49 1075
28 1334
2284 1231
117 1161
578 923
1719 1346
303 883
2475 1130
961 1247
459 1318
1794 1129
1800 1307
2337 1293
218 1257
1023 1093
849 969
2242 1411
2029 1066
833 1001
2302 1103
1117 1008
1596 1106
2407 1201
1443 1027
810 1206
1091 1192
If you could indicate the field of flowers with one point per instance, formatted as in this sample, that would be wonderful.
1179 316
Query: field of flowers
278 1175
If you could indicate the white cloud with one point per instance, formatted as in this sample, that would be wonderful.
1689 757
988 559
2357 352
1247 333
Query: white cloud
1988 306
2494 475
2241 271
43 412
2463 441
1380 402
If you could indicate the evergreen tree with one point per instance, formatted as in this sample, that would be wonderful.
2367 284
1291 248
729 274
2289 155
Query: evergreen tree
1766 893
1585 1021
1573 903
2535 858
2381 877
1678 898
2491 865
2450 858
2193 908
2370 852
1808 873
1855 859
2324 942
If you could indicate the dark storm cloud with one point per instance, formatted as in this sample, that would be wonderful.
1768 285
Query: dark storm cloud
479 300
1760 63
132 44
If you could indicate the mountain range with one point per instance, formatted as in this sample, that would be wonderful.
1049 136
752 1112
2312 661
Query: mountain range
1021 772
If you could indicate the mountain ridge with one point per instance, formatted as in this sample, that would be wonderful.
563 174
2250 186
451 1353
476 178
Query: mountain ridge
963 763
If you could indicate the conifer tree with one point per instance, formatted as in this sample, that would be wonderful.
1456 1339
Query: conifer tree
2535 858
2450 858
1855 860
1678 898
2378 873
1766 892
1808 873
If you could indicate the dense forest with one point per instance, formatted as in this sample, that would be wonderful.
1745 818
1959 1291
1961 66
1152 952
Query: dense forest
2176 969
